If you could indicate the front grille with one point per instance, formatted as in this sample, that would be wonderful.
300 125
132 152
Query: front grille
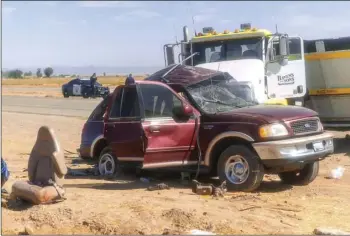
300 127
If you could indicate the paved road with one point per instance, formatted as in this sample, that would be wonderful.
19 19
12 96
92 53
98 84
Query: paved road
74 107
31 89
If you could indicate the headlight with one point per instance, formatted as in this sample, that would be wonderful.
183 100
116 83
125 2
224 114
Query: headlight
273 130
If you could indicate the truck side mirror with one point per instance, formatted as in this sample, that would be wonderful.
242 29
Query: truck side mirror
283 46
170 55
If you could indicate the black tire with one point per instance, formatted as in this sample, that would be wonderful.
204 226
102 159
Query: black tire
301 177
65 94
107 152
85 94
255 171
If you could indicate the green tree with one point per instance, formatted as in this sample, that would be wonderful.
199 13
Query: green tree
38 73
48 71
29 73
15 74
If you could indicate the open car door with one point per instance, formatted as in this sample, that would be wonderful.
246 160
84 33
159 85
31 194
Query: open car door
169 138
123 128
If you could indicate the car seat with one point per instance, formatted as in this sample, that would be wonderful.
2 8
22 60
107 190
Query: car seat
46 171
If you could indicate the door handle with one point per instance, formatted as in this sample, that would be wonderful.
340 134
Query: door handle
154 129
111 125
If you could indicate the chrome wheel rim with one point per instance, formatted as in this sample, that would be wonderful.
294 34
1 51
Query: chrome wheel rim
237 169
106 165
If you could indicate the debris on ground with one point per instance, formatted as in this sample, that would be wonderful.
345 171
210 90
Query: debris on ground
329 231
337 173
76 172
144 180
220 190
201 189
161 186
209 189
200 232
91 171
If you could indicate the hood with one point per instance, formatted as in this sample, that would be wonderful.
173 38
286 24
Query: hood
272 113
251 70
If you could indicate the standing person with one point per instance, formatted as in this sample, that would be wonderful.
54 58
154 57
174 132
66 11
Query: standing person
129 80
93 80
5 174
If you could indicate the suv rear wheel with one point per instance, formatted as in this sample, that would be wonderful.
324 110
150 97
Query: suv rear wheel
108 164
241 168
301 177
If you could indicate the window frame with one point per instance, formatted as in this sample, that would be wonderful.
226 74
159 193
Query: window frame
169 89
129 118
104 102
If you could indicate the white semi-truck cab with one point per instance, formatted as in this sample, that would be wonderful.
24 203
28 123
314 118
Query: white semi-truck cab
271 65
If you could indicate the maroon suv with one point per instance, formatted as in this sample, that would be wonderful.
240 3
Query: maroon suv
187 118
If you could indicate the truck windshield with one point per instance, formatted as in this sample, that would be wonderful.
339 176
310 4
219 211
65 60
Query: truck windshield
221 96
227 50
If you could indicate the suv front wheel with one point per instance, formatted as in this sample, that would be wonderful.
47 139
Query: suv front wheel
301 177
108 164
241 168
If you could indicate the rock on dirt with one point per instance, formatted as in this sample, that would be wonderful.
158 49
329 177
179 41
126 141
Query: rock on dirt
329 231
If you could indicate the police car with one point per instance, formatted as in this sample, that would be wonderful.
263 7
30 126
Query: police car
82 87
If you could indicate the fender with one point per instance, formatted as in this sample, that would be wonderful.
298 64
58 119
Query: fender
98 138
221 136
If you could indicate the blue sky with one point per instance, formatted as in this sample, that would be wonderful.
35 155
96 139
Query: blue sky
133 33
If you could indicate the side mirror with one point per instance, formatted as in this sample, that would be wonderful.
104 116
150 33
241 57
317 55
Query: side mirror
170 56
182 111
283 45
188 110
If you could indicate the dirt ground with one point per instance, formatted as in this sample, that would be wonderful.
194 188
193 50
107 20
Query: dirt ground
122 206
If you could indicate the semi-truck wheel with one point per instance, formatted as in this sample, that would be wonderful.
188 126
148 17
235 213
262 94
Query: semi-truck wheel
241 168
108 164
301 177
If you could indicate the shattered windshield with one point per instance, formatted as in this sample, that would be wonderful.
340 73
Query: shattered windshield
222 96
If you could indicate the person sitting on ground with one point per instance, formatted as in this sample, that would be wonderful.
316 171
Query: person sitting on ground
129 80
5 174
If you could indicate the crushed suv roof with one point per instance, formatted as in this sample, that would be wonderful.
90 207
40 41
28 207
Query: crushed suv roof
187 75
